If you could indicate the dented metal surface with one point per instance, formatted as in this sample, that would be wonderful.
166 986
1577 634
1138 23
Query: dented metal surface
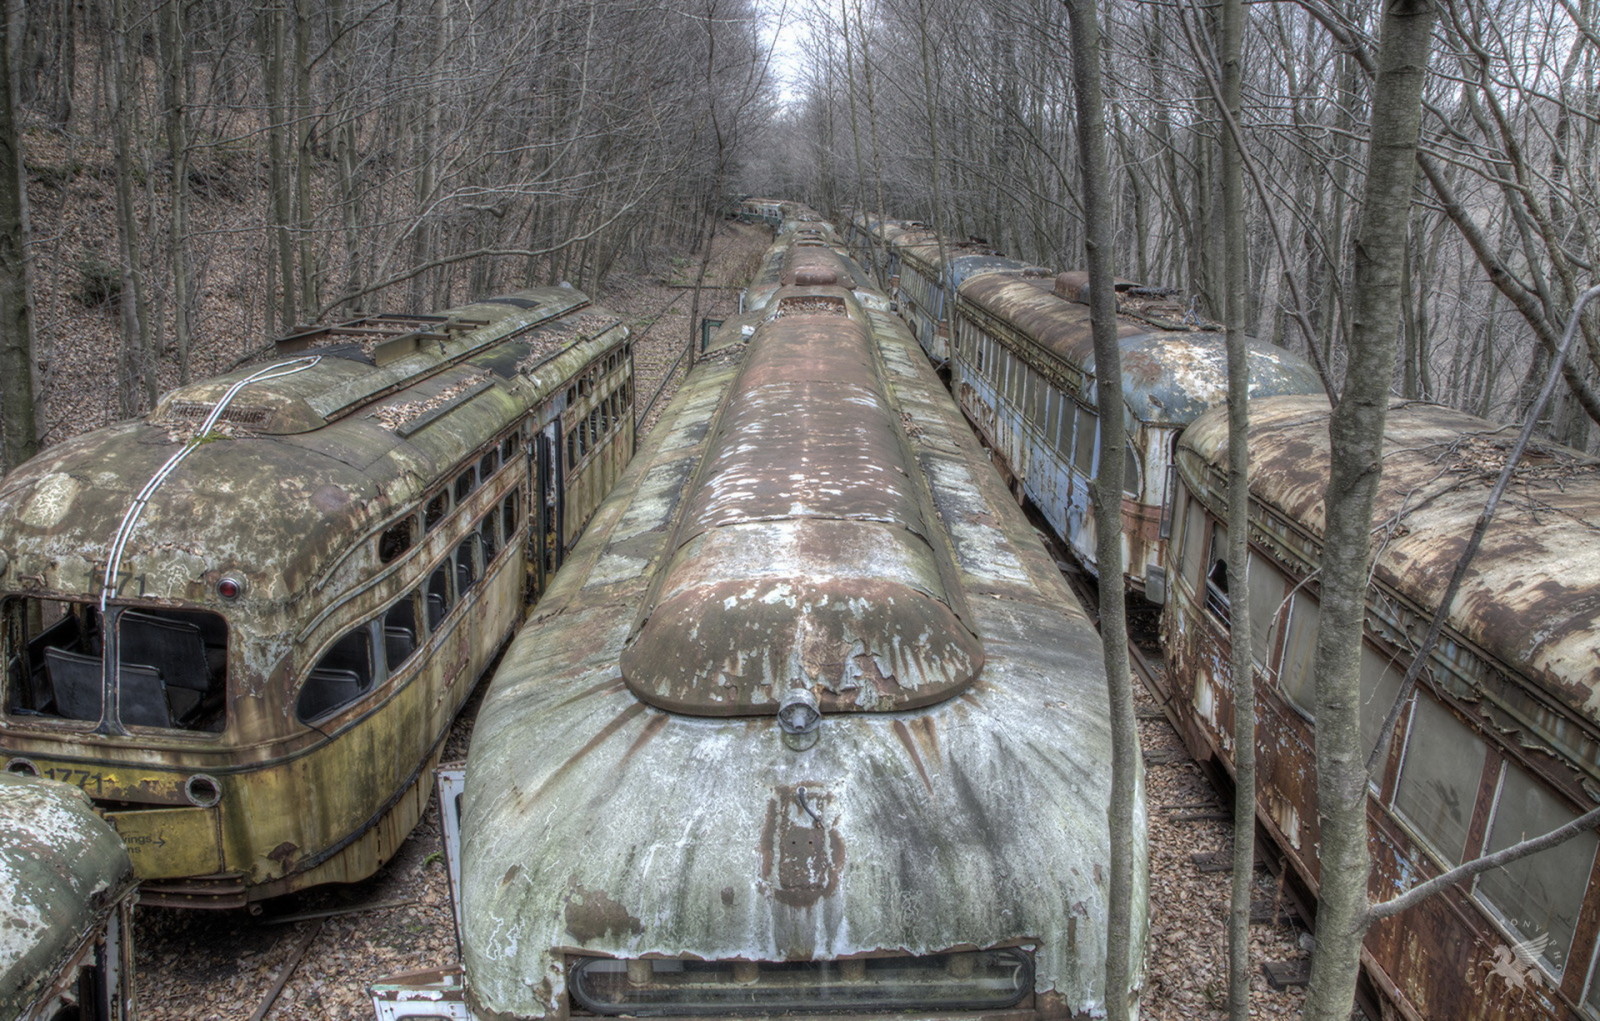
289 499
636 832
64 878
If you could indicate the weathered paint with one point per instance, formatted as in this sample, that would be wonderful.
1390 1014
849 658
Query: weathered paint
801 559
1531 600
1169 376
64 878
976 820
290 494
1531 702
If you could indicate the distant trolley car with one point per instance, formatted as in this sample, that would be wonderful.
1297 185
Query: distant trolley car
244 623
1023 369
808 723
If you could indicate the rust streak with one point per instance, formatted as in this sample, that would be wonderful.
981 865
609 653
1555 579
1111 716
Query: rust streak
902 732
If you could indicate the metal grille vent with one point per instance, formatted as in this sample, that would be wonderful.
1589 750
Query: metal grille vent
195 411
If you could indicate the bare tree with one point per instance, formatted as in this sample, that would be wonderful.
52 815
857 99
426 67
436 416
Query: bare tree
17 420
1121 941
1356 434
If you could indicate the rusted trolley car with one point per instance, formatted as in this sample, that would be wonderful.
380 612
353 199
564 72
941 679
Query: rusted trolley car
819 728
244 623
1502 741
1023 371
66 907
1021 365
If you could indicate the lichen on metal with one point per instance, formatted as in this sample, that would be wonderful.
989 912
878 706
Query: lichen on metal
62 872
290 499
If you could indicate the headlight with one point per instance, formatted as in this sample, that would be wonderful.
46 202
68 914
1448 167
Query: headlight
974 980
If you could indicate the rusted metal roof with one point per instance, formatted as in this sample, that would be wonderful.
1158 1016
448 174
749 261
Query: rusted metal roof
62 871
1531 598
335 387
802 559
599 823
1168 376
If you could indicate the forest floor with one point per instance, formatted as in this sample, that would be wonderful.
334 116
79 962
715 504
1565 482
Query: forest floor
311 956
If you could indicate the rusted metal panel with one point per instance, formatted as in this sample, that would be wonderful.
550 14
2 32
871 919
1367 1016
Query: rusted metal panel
1530 600
63 873
1446 957
974 821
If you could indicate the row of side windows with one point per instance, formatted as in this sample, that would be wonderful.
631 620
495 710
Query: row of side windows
1444 763
1071 429
587 383
384 645
404 533
604 419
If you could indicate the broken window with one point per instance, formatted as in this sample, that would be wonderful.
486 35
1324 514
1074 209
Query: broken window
396 539
1217 575
342 675
172 664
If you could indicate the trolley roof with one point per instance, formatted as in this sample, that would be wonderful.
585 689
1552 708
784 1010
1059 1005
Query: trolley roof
1531 597
1169 375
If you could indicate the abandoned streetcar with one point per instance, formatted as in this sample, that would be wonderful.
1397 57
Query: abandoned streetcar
1500 742
814 724
244 623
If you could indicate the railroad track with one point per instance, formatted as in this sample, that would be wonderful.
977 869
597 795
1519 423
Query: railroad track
1191 824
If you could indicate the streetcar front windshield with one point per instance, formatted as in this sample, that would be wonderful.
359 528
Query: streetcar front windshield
172 664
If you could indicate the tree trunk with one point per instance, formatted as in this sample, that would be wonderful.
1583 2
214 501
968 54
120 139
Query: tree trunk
1121 940
137 386
1356 432
1236 314
175 82
18 420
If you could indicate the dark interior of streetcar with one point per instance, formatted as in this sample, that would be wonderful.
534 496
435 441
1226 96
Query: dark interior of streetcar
172 663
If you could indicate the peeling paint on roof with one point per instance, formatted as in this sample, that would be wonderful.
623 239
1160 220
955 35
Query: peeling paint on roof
799 482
